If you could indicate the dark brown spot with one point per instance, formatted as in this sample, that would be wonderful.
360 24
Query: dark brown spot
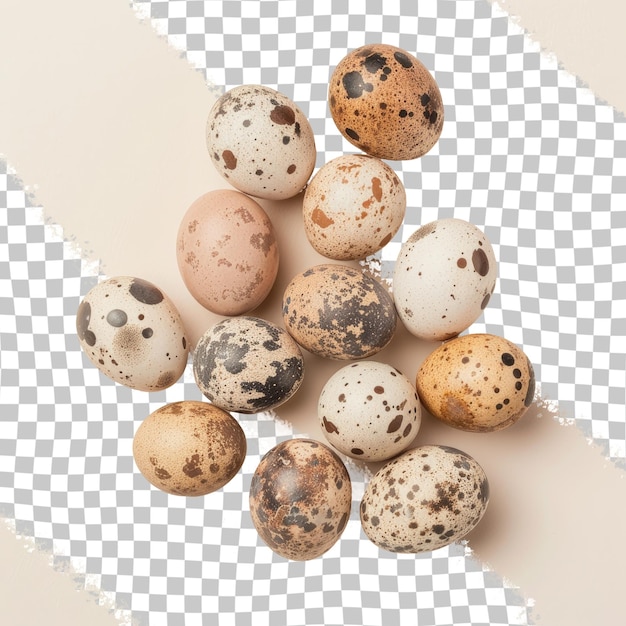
424 99
485 302
375 520
508 359
291 169
161 473
378 389
403 59
407 430
480 261
517 373
352 134
283 114
357 451
192 466
230 160
342 397
329 426
461 263
432 117
385 240
146 333
395 424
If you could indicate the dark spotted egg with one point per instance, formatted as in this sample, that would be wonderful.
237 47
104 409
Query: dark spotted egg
477 382
385 101
189 448
339 312
424 499
133 333
443 278
369 411
247 365
261 142
300 499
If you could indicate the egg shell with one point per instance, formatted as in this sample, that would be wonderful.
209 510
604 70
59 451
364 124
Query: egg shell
424 499
353 207
247 365
189 448
477 382
300 499
369 411
133 333
338 312
384 101
443 278
261 142
227 252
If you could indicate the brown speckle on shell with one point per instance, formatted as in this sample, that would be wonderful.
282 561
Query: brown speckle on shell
300 499
383 79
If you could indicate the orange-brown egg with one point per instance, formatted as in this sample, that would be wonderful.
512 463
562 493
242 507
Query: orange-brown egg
386 102
189 448
477 382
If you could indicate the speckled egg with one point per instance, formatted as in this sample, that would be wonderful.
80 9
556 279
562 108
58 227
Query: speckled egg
369 411
300 499
247 365
386 103
261 142
189 448
477 382
353 207
227 252
424 499
443 278
339 312
132 332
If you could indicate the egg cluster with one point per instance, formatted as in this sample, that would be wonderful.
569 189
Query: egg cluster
386 103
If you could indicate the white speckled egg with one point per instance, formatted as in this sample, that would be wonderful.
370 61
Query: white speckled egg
261 142
189 448
227 252
444 276
369 411
300 499
247 365
353 207
133 333
424 499
477 382
339 312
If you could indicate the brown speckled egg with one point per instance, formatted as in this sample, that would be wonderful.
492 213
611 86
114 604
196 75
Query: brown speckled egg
339 312
227 252
353 207
132 332
424 499
369 411
443 278
189 448
386 103
261 142
247 365
300 499
477 382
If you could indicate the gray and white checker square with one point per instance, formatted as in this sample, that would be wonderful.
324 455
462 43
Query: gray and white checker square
527 154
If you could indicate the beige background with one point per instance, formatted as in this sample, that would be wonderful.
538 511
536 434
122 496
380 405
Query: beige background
103 114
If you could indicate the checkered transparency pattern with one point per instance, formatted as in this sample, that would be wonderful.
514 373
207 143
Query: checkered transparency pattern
527 154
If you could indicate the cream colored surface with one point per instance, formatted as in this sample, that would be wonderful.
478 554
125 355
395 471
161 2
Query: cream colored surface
586 36
105 124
